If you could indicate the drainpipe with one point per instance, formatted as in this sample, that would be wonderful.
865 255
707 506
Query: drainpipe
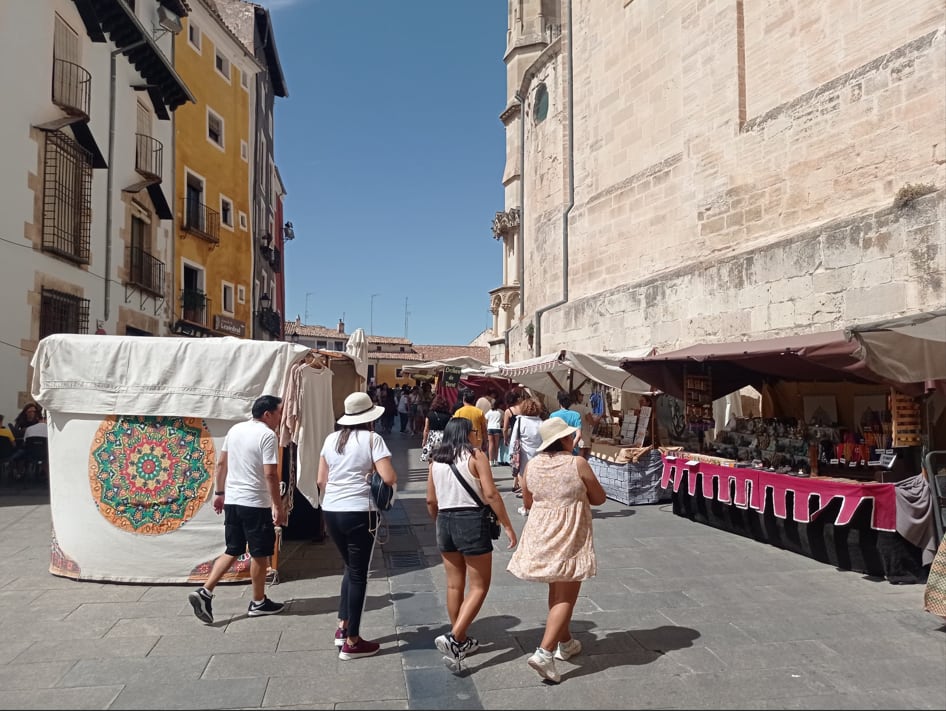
537 321
110 175
520 251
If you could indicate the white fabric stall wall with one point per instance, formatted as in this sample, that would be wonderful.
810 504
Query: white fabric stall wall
88 384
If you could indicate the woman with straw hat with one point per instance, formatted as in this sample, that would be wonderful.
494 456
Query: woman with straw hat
348 456
557 545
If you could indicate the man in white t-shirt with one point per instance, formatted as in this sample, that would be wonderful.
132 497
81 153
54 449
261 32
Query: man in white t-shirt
247 493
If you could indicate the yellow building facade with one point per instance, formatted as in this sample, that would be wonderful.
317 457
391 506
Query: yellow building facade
214 248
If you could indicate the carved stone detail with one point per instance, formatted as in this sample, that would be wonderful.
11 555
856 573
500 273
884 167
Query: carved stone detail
505 222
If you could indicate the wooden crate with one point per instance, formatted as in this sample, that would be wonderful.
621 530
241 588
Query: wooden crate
906 420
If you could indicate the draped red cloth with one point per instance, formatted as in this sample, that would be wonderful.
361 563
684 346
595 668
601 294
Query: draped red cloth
750 485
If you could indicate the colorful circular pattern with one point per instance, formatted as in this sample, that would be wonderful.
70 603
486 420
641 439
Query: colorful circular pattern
149 475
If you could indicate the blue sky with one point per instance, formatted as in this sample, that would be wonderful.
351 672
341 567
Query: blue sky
392 153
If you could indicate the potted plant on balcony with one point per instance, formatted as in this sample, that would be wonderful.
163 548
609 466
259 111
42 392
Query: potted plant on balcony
530 333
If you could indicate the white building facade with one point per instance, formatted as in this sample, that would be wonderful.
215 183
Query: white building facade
718 170
86 214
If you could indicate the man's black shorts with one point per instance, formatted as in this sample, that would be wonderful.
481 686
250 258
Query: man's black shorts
249 526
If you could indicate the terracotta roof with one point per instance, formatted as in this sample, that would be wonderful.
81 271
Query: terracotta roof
314 331
388 355
481 353
389 339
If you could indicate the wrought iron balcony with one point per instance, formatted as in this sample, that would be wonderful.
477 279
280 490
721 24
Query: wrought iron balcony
72 88
270 321
146 271
149 157
194 306
275 260
201 220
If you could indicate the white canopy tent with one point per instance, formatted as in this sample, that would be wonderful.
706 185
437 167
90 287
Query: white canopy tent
467 365
569 370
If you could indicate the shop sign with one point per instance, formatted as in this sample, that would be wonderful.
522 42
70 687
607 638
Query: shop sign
185 328
230 326
451 376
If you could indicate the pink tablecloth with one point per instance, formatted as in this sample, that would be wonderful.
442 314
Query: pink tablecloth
749 491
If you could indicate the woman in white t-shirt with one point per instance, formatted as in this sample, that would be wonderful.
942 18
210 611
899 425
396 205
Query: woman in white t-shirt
348 456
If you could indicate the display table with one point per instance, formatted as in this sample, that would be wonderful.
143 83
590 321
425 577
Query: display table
850 524
627 474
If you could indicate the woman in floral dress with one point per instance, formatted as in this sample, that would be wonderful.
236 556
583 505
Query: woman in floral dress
557 544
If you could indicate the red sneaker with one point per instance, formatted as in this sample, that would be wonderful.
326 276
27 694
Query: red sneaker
341 635
363 648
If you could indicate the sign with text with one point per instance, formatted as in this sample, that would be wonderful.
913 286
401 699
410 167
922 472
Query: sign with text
451 376
230 326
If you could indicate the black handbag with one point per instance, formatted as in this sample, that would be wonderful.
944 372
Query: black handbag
381 493
494 528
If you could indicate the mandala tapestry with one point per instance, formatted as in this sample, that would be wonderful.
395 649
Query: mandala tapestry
150 475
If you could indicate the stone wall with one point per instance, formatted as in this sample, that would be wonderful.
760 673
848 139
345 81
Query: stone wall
735 166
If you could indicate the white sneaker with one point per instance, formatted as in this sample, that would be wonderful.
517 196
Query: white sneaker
544 663
522 511
567 650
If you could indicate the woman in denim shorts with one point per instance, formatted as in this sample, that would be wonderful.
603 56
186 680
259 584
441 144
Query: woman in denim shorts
463 535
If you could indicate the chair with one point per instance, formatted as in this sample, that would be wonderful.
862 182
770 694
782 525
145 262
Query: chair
7 448
37 456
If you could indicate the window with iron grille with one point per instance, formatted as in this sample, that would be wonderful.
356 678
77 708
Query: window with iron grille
67 198
62 313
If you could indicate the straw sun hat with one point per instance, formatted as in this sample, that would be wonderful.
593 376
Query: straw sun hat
553 429
360 409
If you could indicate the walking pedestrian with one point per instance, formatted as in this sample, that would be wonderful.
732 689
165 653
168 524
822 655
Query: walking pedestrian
404 408
437 418
247 493
463 534
348 456
494 431
557 547
475 415
564 412
525 439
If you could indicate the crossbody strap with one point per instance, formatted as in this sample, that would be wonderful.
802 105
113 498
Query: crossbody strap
465 485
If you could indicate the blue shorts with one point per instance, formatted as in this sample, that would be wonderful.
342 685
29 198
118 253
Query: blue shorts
463 531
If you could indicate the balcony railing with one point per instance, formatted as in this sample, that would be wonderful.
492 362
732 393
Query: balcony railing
72 88
146 271
201 220
275 260
194 306
270 321
149 156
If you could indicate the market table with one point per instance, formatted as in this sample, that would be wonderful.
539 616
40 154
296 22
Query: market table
850 524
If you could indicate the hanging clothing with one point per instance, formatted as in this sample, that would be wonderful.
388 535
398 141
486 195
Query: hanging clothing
317 421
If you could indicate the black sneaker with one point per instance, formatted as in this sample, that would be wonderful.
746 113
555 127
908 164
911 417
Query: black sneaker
266 607
200 600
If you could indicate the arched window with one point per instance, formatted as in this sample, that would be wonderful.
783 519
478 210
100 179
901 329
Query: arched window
540 109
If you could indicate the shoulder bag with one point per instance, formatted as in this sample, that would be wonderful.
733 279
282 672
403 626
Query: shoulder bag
382 493
494 528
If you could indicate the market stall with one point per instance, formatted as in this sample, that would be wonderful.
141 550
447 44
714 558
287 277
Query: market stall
628 471
825 468
135 429
450 374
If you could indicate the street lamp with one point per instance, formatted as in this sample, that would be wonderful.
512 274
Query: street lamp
265 302
371 318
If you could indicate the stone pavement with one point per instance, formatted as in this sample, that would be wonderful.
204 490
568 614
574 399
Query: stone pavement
681 615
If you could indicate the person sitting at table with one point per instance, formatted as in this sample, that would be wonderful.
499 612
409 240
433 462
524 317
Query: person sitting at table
6 433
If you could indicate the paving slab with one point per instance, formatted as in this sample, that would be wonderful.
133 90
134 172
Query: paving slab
680 616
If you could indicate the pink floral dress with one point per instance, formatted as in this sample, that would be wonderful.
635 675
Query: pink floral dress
557 544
